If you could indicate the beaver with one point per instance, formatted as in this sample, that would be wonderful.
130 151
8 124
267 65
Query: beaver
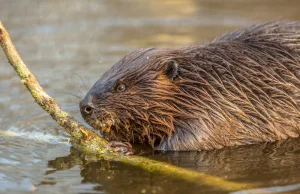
242 88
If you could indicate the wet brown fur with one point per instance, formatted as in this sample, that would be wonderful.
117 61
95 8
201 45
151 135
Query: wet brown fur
243 88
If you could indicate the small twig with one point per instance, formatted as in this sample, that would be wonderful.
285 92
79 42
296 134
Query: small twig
88 141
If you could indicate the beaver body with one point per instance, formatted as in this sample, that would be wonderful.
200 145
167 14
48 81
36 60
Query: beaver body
243 88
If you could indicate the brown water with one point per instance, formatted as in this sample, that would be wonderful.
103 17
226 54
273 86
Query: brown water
60 39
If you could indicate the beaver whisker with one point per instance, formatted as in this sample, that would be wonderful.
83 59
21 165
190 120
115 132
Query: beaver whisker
82 81
71 94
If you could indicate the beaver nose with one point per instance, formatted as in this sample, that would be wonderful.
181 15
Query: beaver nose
86 106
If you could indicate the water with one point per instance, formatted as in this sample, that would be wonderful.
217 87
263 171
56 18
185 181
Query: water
60 40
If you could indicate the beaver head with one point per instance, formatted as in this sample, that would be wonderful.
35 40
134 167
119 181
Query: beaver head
138 99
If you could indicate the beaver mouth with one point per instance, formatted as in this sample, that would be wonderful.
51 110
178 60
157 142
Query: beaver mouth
104 126
111 131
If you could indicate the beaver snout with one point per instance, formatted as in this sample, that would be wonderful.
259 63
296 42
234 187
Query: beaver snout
86 106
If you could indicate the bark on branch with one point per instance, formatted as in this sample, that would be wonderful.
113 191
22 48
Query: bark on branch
88 141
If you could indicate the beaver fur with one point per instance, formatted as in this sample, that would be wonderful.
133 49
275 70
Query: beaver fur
242 88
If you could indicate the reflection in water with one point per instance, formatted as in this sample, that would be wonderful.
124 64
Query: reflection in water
116 177
288 188
60 39
269 163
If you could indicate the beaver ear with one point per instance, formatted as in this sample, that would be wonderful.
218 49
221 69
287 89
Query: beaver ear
171 69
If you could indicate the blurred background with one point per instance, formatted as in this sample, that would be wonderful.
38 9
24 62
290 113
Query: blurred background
69 44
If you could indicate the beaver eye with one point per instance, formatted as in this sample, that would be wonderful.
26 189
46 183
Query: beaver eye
121 88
